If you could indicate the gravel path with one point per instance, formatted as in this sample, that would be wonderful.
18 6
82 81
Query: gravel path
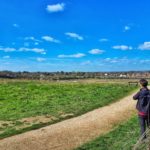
71 133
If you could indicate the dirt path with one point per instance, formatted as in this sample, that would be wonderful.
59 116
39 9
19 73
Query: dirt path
71 133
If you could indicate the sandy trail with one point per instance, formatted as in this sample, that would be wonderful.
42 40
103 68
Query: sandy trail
71 133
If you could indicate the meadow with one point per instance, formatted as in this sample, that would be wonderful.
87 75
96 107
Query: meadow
27 105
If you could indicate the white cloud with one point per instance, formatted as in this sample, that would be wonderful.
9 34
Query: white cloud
123 47
127 28
7 49
74 35
55 7
107 59
39 59
116 60
96 51
78 55
50 39
44 53
86 63
36 43
6 57
36 50
144 46
15 25
32 39
103 40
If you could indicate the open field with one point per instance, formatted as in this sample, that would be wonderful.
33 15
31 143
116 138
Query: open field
74 132
122 137
90 80
27 105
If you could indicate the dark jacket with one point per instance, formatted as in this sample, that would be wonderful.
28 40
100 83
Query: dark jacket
140 106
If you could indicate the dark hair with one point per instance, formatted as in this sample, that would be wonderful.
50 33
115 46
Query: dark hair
143 82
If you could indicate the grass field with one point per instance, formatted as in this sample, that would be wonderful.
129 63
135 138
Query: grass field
121 138
31 104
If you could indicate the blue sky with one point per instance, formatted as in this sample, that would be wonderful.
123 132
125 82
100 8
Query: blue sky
74 35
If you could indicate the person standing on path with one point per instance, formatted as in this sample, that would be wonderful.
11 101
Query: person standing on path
141 106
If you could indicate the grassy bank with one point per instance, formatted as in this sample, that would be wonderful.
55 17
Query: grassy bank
122 137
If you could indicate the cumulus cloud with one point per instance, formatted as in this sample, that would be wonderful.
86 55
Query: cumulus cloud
36 50
74 35
55 8
7 49
122 47
78 55
144 46
39 59
96 51
103 40
50 39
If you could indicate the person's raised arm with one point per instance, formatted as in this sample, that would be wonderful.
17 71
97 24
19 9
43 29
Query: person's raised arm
136 96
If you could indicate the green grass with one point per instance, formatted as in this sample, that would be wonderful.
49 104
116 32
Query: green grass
25 99
121 138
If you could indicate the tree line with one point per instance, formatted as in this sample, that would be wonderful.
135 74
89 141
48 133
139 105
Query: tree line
62 75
